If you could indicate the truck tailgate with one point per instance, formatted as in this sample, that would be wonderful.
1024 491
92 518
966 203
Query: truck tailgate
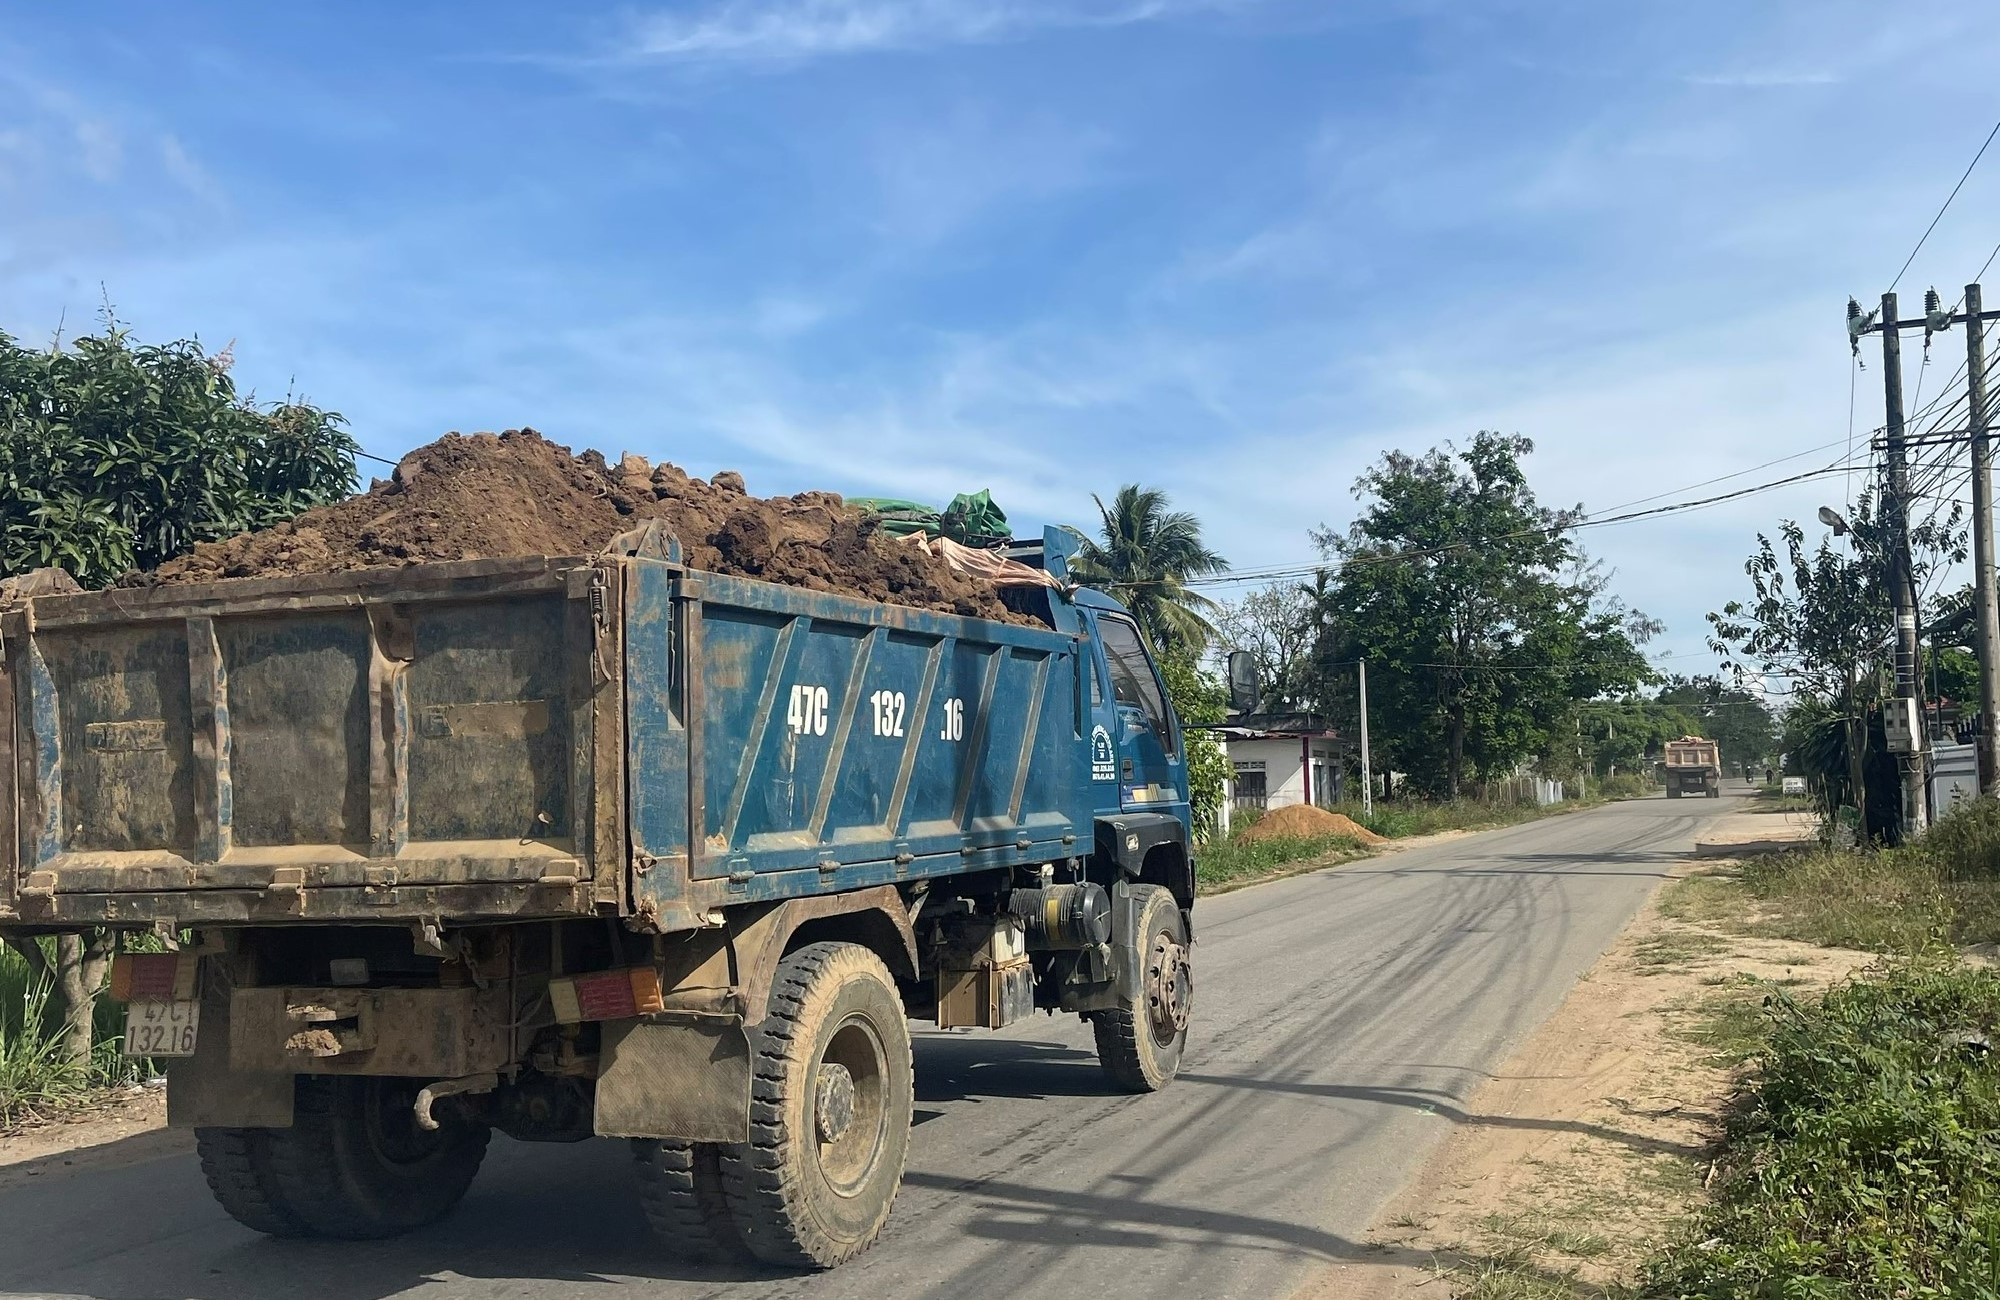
376 745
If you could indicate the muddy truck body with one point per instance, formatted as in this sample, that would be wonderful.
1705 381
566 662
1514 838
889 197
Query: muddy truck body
1692 765
597 846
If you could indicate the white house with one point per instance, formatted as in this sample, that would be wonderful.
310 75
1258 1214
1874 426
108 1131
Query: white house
1283 758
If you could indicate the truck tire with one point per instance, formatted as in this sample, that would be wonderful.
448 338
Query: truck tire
832 1091
1139 1044
680 1189
354 1164
237 1164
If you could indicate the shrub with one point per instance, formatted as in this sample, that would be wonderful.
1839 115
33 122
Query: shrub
1625 785
1864 1161
1964 843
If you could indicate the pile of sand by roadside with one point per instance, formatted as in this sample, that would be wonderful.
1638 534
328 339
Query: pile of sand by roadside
1301 821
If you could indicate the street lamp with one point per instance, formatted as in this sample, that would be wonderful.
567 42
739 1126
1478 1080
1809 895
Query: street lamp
1832 519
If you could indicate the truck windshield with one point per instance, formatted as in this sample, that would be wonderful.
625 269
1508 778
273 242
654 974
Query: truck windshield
1132 681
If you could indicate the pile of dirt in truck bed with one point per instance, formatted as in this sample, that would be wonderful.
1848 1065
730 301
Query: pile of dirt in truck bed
1302 821
474 496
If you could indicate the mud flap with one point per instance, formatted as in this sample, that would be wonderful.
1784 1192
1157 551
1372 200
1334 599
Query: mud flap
685 1079
204 1092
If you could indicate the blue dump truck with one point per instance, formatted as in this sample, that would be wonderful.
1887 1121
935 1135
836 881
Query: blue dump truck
603 845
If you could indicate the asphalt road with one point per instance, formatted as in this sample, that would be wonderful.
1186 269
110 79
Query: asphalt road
1342 1020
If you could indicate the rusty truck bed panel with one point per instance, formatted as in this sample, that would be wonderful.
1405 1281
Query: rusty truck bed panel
384 743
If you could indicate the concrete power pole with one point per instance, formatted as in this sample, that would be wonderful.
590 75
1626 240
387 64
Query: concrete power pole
1367 775
1902 591
1986 605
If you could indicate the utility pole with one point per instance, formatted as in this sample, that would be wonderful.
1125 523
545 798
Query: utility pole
1986 609
1902 591
1367 775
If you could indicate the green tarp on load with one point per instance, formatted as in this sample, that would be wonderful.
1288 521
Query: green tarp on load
970 520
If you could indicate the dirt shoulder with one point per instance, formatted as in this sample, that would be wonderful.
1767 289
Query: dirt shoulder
1577 1152
122 1128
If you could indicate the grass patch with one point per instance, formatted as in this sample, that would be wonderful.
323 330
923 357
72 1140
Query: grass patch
1533 1257
1942 890
1674 949
36 1081
1237 861
1732 1021
1400 820
1861 1161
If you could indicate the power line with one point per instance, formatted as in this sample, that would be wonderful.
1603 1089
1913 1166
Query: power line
1941 211
1723 478
1286 571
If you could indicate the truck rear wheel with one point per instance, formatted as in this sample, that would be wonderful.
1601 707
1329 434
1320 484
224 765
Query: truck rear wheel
1139 1043
356 1165
680 1189
832 1091
236 1162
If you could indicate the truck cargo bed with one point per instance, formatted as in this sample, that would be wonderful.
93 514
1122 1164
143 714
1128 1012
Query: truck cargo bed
535 737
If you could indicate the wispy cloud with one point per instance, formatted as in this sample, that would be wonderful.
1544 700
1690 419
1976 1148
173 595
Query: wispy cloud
783 32
1764 78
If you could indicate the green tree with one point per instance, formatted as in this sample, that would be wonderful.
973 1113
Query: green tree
1627 734
1482 621
1199 700
116 455
1279 625
1738 721
1821 616
1146 558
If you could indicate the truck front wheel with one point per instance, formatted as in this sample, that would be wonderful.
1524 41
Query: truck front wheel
1140 1043
353 1165
832 1091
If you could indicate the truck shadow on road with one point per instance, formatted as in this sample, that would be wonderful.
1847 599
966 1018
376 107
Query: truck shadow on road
1034 1217
978 1066
1432 1102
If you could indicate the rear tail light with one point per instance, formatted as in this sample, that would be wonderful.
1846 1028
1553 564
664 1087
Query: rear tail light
153 976
606 995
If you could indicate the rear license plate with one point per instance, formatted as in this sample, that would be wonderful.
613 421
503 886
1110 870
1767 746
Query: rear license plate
161 1028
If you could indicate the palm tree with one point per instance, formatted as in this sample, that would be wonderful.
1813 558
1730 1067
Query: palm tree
1148 555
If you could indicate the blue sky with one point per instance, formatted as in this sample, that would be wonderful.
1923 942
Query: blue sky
1233 248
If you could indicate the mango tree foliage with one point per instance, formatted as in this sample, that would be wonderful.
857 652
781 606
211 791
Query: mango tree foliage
116 455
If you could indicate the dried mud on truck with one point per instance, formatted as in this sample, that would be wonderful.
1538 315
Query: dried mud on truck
531 793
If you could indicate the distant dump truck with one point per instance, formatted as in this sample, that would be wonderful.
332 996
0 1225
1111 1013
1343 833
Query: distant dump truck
1693 766
603 845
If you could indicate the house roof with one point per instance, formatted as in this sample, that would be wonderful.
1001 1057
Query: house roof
1276 726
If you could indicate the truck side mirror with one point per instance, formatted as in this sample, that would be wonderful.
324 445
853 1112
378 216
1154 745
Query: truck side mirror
1244 693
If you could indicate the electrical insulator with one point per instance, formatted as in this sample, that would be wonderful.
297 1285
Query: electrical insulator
1932 303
